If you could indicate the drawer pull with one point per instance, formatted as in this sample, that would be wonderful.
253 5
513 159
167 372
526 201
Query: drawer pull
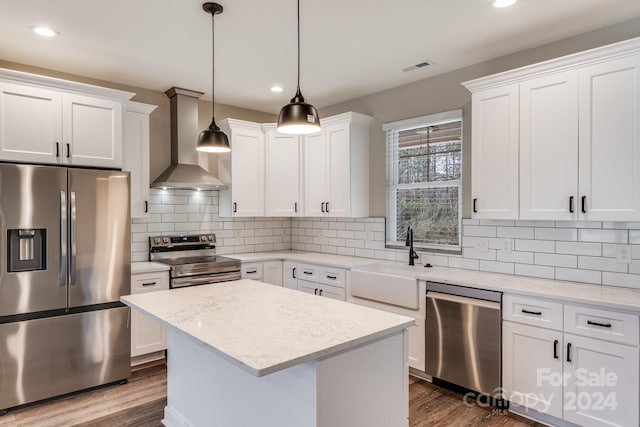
293 273
308 273
602 325
569 352
251 271
332 277
149 284
555 349
315 292
535 313
320 292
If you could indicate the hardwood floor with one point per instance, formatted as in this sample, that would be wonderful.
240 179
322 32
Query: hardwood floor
141 403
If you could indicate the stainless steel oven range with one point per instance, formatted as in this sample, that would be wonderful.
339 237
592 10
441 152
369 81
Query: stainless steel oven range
193 259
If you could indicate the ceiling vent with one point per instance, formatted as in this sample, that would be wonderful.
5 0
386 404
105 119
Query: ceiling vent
418 65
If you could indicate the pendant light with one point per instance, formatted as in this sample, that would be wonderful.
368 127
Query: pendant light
213 140
298 117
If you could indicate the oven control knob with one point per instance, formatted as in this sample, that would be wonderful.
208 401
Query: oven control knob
156 240
203 238
212 238
165 240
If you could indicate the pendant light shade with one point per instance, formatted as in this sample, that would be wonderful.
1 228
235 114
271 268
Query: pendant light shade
298 117
213 140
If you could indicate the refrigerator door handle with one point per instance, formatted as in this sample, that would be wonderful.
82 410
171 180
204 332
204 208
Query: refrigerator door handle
63 238
73 237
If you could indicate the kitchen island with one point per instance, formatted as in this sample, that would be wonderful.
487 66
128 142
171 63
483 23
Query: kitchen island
245 353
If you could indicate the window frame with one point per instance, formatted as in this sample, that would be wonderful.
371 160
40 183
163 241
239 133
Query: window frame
392 131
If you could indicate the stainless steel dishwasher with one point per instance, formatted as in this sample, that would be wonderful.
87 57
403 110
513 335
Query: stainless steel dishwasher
463 336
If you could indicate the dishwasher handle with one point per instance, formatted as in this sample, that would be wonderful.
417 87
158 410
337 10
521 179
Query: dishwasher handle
463 300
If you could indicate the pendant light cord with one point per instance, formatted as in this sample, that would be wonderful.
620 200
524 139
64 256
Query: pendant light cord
298 45
213 65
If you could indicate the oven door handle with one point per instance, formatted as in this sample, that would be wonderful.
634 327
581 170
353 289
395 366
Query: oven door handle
203 280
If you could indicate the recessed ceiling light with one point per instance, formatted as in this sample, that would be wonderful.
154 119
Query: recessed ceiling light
44 31
276 89
504 3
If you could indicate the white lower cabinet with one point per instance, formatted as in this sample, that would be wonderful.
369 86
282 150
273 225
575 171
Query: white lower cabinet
575 377
267 272
290 274
322 290
147 335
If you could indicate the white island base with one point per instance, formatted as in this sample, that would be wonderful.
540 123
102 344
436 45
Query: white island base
363 386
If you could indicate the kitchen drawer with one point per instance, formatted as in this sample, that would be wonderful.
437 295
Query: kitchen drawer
602 324
251 270
149 282
309 272
334 292
333 276
532 311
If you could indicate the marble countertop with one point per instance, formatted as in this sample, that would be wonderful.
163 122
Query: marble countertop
263 328
604 296
340 261
147 267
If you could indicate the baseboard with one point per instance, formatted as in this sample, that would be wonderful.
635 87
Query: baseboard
146 358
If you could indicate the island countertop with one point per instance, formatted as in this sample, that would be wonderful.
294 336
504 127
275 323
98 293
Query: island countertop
262 328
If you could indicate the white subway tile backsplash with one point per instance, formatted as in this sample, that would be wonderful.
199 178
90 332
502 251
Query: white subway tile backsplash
527 223
497 267
535 245
530 270
634 237
498 222
610 250
575 275
478 254
604 236
364 253
634 267
516 232
621 279
570 234
466 263
470 221
515 256
555 260
601 264
579 248
578 224
621 225
479 230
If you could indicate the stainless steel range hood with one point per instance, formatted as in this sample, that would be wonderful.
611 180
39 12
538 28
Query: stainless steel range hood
184 172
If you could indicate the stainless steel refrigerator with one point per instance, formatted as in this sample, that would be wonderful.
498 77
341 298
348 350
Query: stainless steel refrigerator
65 262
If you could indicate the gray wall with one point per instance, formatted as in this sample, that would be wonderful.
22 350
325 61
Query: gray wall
444 92
159 150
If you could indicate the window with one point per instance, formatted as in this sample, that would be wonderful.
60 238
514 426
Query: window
424 180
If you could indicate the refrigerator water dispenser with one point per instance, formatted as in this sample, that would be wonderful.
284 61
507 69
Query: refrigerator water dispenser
26 249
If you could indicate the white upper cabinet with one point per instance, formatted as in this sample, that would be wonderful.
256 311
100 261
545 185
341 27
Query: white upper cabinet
242 170
92 131
282 173
576 124
47 120
610 140
30 124
494 153
336 167
136 154
549 147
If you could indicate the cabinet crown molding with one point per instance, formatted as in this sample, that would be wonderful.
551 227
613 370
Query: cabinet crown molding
66 85
563 63
139 107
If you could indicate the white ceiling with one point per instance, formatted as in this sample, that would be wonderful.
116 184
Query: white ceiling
350 48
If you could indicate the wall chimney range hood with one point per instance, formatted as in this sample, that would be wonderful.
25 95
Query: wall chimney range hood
184 172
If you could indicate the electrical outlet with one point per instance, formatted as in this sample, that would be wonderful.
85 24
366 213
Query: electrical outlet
483 245
506 246
624 255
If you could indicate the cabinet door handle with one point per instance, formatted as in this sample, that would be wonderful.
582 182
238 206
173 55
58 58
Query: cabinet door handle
251 271
308 273
555 349
332 277
235 207
293 273
327 207
315 292
57 149
322 207
68 150
295 207
149 284
584 204
569 352
320 292
535 313
475 205
570 204
602 325
146 206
